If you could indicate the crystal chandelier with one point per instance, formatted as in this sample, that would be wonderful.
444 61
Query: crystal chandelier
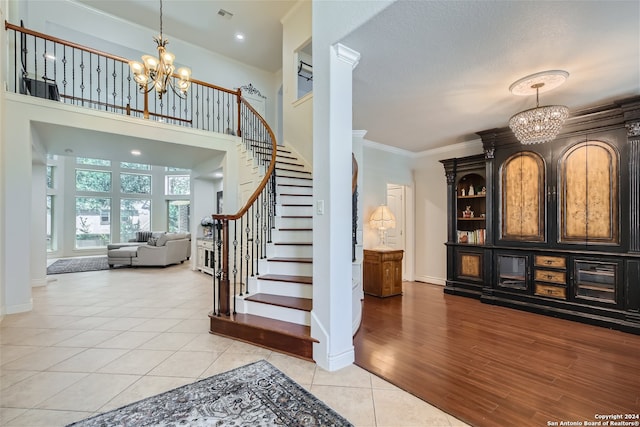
539 124
156 73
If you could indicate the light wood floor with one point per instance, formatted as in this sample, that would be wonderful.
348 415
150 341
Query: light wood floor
490 365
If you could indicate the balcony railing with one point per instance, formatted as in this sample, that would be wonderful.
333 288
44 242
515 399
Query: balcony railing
56 69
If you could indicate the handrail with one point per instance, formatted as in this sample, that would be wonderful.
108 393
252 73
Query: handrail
354 173
267 175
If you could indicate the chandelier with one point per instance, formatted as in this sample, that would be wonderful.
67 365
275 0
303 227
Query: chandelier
539 124
156 73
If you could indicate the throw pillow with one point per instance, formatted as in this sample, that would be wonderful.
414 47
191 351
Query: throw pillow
162 240
153 241
143 236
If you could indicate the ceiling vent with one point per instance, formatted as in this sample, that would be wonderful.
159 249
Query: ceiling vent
225 14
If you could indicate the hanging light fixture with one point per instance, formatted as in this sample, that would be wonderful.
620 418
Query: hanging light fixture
156 73
540 124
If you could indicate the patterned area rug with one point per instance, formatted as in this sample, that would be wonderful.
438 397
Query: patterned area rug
257 394
77 265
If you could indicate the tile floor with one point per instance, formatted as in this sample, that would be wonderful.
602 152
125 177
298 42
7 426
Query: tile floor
99 340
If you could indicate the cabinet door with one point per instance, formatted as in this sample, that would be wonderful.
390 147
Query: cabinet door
512 271
588 197
522 197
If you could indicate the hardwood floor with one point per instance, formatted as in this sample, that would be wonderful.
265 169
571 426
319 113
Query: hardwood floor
490 365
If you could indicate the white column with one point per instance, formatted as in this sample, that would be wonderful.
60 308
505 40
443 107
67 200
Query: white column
331 318
38 229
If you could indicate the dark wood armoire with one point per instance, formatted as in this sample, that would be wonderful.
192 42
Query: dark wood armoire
552 228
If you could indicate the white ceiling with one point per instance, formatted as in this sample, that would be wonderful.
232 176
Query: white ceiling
432 73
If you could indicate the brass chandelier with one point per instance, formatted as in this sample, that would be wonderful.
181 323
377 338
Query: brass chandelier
539 124
157 72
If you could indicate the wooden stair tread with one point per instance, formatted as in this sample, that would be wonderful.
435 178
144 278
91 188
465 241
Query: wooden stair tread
291 259
304 304
307 280
295 177
293 170
295 185
289 338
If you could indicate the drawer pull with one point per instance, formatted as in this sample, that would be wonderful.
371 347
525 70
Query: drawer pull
548 262
549 276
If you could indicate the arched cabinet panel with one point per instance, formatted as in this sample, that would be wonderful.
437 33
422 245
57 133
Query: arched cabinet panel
522 198
588 197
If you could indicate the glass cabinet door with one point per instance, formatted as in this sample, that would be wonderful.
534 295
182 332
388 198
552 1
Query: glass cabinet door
512 271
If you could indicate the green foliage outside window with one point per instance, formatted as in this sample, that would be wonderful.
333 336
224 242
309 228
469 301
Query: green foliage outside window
88 180
135 184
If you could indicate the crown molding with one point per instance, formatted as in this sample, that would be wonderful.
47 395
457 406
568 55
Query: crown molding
358 133
347 54
387 148
449 148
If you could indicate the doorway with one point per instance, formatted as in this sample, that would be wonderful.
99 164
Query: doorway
397 198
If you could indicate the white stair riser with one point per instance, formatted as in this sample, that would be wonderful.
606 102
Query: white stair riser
274 312
275 287
289 251
305 236
292 174
286 189
294 210
296 200
289 164
288 268
293 222
292 181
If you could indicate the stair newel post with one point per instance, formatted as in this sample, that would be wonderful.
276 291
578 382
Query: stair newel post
235 264
242 278
238 98
224 270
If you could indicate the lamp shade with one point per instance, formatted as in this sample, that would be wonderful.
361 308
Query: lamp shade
382 218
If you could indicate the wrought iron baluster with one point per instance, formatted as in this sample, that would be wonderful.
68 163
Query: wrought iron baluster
235 265
242 277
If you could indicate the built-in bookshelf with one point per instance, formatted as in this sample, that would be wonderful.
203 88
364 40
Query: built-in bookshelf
471 193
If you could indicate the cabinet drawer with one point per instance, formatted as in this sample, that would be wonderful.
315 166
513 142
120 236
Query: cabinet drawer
551 261
559 277
207 244
551 291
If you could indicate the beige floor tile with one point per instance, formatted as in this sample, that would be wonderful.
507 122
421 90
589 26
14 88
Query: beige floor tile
298 370
9 353
395 407
185 364
121 324
157 325
50 337
9 378
192 325
185 313
454 422
149 312
90 393
47 418
88 338
37 388
244 348
91 310
8 414
351 376
355 404
118 311
15 335
137 362
89 360
228 361
88 323
128 340
168 341
208 342
143 388
42 359
377 382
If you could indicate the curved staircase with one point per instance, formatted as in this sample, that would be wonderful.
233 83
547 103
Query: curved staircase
275 309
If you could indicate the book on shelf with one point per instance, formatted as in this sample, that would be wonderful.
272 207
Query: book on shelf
475 237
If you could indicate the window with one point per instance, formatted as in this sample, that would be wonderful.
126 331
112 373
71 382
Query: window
91 180
93 162
177 185
139 166
304 69
135 215
50 172
91 229
135 183
172 169
50 242
178 216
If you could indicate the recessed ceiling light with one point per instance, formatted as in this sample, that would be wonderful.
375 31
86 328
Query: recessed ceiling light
218 175
239 36
136 152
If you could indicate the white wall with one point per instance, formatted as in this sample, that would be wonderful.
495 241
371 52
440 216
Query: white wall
3 278
298 120
431 210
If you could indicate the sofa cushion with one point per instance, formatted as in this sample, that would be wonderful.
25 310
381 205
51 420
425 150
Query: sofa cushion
143 236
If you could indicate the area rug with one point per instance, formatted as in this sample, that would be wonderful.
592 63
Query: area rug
77 265
257 394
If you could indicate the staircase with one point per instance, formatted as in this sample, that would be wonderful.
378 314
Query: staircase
274 311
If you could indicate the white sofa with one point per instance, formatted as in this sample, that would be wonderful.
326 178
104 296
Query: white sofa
161 249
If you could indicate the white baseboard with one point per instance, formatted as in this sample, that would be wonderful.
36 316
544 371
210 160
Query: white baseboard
432 280
37 283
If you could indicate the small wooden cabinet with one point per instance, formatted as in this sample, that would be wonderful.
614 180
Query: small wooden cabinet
204 257
383 272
